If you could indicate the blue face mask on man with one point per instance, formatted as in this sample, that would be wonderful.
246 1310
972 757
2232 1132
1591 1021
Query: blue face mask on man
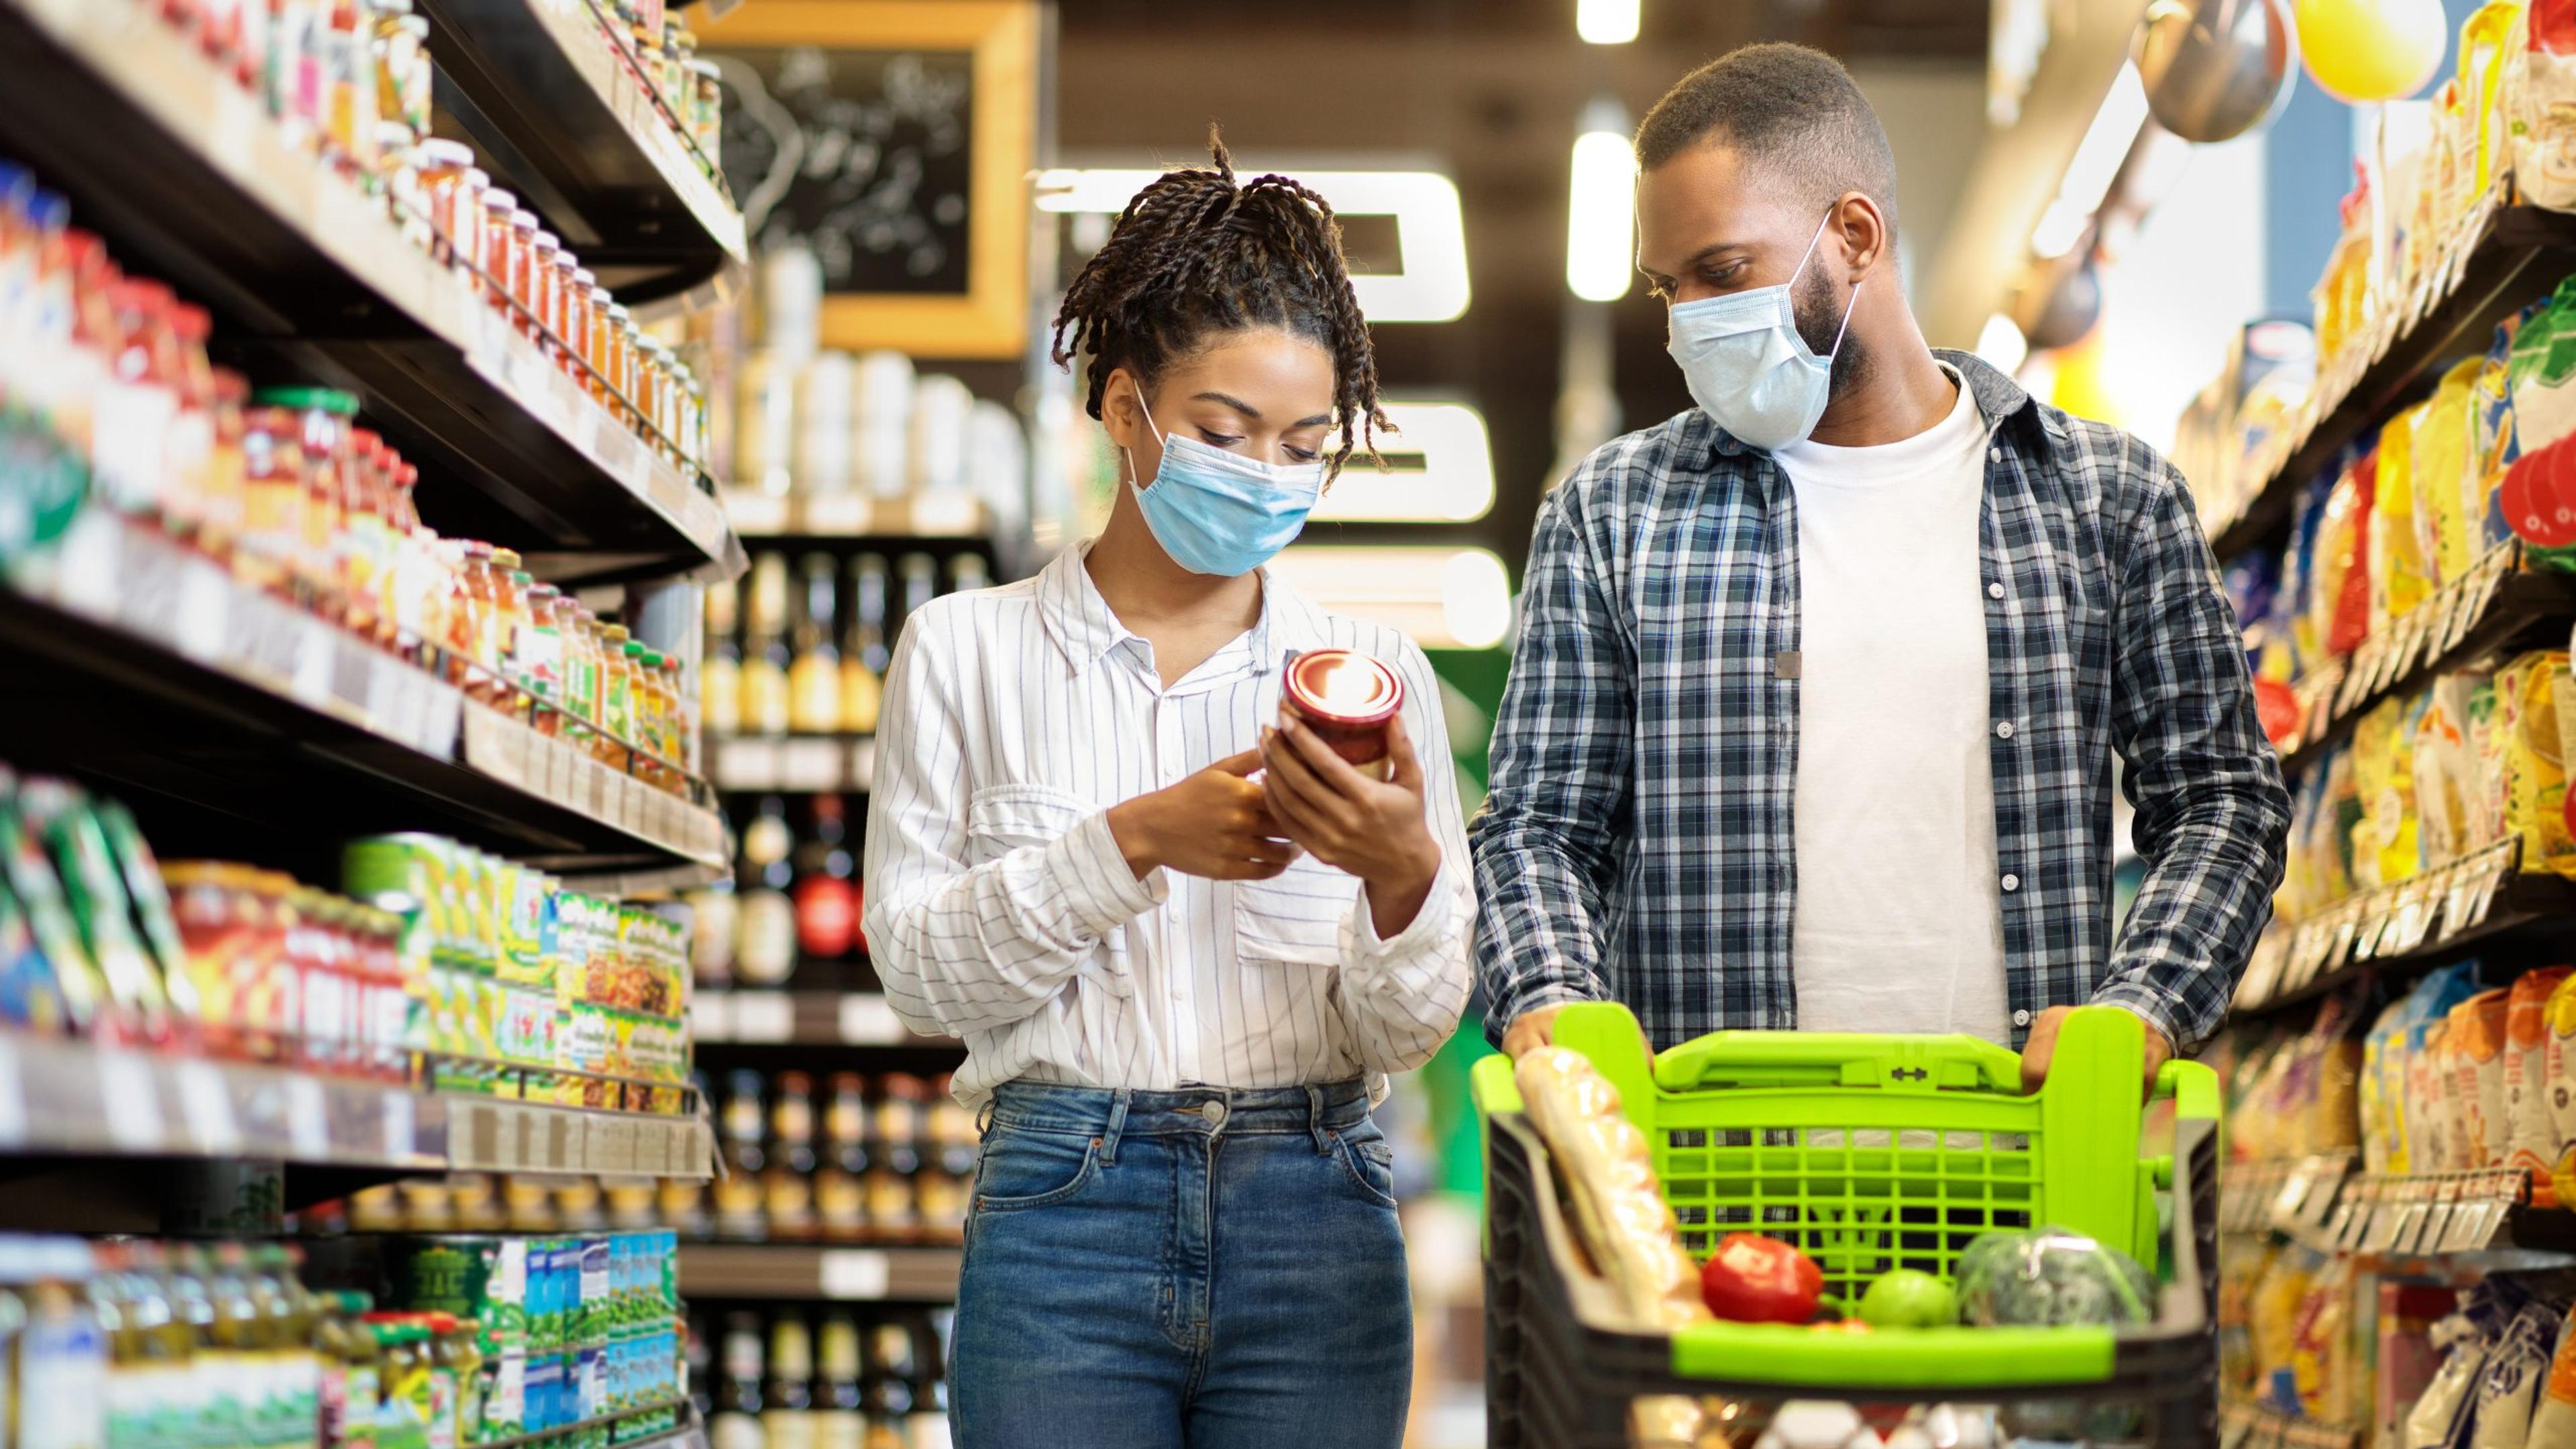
1221 513
1749 367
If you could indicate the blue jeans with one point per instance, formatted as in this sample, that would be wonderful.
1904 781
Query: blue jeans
1199 1269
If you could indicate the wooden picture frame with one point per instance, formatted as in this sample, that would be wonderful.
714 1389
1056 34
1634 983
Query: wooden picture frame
991 319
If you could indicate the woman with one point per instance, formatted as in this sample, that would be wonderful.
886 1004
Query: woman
1183 947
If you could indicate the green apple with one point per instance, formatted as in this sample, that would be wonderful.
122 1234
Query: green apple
1907 1298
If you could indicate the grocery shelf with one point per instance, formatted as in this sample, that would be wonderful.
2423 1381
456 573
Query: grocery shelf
2482 900
136 660
581 135
2510 256
818 1274
688 1434
912 517
803 1018
65 1097
183 172
2492 609
747 763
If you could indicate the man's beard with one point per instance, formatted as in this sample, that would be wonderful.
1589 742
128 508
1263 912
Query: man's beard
1820 317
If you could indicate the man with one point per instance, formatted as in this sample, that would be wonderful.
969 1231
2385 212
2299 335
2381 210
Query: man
1820 684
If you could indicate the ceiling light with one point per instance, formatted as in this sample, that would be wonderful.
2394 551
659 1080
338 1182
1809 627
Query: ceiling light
2002 344
1606 22
1600 208
1431 235
2096 165
1443 598
1440 469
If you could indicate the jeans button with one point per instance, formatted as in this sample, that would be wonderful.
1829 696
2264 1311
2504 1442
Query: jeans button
1214 1112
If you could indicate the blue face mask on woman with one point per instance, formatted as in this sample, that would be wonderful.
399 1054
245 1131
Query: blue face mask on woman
1221 513
1749 367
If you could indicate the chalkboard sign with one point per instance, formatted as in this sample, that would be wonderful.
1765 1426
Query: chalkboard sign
869 163
893 139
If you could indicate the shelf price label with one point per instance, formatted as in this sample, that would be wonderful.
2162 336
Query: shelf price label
867 1019
855 1275
130 1101
206 1101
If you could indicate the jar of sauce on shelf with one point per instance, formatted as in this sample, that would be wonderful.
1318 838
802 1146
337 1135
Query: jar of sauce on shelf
521 279
597 350
444 167
571 300
498 242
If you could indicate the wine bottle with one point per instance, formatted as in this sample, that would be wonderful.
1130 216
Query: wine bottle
863 653
814 667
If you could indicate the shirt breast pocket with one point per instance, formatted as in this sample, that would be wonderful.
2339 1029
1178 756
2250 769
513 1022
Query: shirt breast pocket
1004 818
1295 919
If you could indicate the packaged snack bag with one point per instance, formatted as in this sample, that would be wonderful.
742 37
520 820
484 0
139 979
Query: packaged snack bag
2383 1089
2531 1132
2386 846
2476 1045
2449 803
2553 1423
2341 600
2431 1102
2535 784
2398 573
2510 1383
2441 475
2407 1361
2558 1066
2542 143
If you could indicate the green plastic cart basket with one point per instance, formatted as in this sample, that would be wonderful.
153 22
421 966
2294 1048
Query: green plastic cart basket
1867 1153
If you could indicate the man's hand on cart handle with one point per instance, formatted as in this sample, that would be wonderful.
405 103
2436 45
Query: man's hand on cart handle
2042 1047
1533 1028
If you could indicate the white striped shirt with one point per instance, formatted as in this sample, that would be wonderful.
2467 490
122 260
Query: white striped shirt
1001 911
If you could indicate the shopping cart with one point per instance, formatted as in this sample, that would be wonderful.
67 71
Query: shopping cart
1868 1153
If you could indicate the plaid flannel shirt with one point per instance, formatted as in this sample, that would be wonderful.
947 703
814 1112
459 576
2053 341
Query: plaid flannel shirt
1637 842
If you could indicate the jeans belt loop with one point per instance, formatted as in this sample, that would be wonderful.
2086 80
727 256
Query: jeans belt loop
1117 1124
1315 1120
984 1118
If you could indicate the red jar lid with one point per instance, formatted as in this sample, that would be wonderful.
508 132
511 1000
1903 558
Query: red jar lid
1344 687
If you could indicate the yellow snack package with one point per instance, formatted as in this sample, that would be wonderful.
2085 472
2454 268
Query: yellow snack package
2397 568
2533 752
2440 471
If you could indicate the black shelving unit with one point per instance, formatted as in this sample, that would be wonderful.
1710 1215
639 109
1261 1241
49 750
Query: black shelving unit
181 170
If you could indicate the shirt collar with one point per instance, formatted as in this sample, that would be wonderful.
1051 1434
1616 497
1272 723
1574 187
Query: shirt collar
1999 400
1084 628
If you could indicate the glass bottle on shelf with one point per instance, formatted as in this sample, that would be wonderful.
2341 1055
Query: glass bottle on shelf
790 1389
837 1396
863 653
894 1157
890 1383
720 676
789 1184
918 574
840 1203
765 695
740 1203
765 951
736 1424
827 886
814 666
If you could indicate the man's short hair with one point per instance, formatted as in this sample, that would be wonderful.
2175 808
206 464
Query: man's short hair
1791 110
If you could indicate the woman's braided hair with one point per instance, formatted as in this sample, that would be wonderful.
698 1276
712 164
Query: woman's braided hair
1195 253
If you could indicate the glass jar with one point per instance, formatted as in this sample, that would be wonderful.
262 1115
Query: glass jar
521 281
580 288
444 166
603 348
570 300
621 364
498 242
406 194
544 297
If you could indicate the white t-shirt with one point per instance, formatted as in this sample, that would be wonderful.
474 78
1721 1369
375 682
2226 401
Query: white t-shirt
1899 927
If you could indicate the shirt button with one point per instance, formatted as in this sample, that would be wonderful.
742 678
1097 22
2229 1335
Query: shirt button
2021 1018
1995 453
2003 729
1214 1112
1994 591
2012 883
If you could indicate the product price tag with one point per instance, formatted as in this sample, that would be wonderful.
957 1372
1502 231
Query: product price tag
613 1144
401 1135
130 1101
2409 1228
763 1016
755 513
13 1097
863 764
206 1101
949 514
560 1145
855 1275
2432 1229
349 675
810 764
2339 1227
868 1019
308 1119
746 764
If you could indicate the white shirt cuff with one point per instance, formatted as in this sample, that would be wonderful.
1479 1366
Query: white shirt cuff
1099 889
1422 933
